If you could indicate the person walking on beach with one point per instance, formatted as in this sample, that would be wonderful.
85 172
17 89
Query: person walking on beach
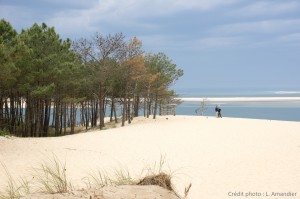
219 112
216 110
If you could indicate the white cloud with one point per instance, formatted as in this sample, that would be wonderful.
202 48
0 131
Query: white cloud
178 5
267 26
267 8
107 16
73 17
156 7
181 43
220 42
290 37
125 13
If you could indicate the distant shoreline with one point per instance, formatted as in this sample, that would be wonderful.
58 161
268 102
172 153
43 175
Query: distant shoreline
239 99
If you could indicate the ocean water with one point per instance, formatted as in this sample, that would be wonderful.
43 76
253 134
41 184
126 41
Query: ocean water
287 111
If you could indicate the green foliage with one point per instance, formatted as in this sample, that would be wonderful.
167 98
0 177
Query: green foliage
160 64
7 33
39 70
4 132
42 91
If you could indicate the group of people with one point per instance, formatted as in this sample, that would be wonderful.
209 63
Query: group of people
218 111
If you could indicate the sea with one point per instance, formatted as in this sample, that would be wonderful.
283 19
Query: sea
284 110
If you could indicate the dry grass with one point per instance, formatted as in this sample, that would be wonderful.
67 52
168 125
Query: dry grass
158 176
101 178
163 180
51 176
14 189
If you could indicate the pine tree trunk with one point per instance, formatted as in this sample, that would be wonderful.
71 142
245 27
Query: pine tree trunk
87 117
1 113
82 114
21 119
128 111
115 113
136 106
112 109
12 114
47 117
124 112
148 103
26 108
57 111
149 107
65 117
31 118
101 106
37 118
155 106
145 107
73 117
61 115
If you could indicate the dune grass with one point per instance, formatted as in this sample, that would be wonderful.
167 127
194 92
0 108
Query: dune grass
101 178
51 177
157 175
14 189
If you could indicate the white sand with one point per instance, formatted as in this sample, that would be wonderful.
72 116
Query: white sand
240 99
217 156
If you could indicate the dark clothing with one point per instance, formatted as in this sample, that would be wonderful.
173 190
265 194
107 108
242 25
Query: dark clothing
216 110
219 113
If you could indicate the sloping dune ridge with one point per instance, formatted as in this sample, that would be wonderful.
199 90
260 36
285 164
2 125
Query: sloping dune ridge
220 157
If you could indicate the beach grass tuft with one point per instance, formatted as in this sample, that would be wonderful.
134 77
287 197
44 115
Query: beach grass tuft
102 178
157 175
51 176
14 189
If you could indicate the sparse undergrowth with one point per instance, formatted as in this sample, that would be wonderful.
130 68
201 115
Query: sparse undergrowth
14 189
163 180
4 132
50 177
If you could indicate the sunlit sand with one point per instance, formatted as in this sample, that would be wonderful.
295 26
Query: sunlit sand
220 157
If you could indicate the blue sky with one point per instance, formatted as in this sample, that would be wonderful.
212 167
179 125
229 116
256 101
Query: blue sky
218 43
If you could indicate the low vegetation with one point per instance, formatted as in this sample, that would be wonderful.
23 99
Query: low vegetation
50 177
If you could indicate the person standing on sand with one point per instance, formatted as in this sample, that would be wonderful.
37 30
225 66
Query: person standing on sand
216 110
219 112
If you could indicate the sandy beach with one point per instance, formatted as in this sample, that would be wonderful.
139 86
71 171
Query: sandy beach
222 158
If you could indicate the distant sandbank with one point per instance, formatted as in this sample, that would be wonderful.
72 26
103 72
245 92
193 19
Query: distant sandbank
239 99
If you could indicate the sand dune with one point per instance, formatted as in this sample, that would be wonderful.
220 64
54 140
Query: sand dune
220 157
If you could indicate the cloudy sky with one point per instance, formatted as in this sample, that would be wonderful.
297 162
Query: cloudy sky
218 43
